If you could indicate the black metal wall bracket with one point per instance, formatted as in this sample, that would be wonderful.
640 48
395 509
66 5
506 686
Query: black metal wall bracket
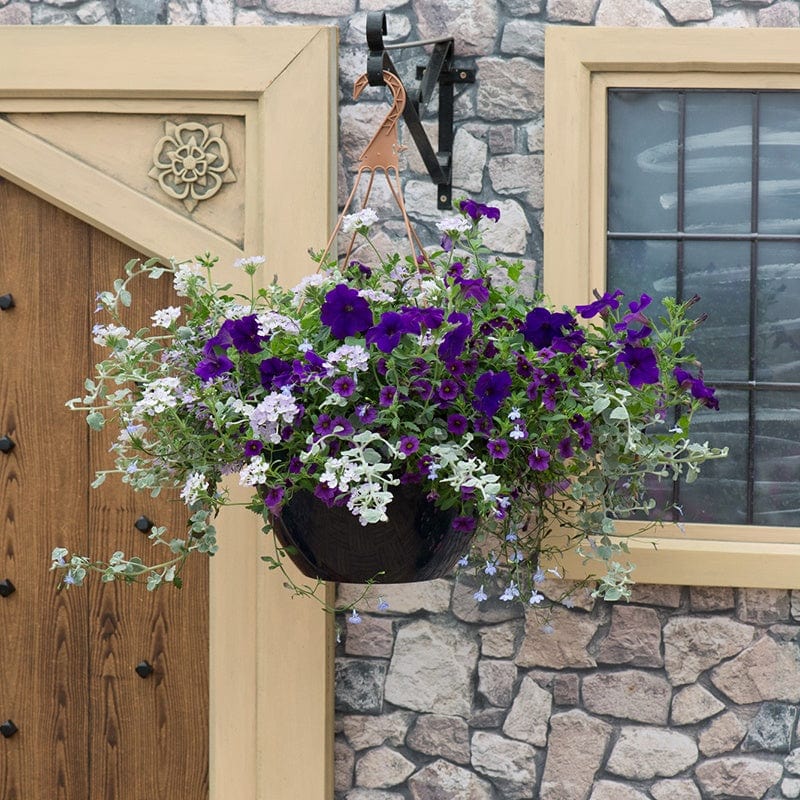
439 71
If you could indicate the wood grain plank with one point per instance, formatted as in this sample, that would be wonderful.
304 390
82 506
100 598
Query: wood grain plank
45 655
89 726
154 728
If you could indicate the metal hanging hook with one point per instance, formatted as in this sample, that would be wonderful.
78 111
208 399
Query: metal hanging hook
439 73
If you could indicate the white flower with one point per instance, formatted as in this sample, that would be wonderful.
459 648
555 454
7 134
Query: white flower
454 225
270 321
536 598
376 295
195 484
354 356
249 262
316 279
362 219
510 593
517 433
102 333
157 397
186 276
254 473
166 316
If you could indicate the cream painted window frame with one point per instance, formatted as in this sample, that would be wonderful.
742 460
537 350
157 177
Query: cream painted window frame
271 658
581 65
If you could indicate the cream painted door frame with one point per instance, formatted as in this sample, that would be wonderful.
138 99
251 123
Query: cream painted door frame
82 112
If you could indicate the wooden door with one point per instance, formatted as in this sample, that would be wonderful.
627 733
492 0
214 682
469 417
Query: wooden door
86 136
88 725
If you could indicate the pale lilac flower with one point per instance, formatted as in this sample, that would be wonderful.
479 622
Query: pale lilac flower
249 264
382 604
354 618
359 221
491 566
536 598
166 316
450 225
510 592
480 595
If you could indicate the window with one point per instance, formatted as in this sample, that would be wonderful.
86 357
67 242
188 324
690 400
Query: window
672 168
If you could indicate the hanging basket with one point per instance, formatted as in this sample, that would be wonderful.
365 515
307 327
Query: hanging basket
417 543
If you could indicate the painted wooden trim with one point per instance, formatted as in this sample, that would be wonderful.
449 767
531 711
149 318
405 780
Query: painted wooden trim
271 661
102 201
582 63
231 61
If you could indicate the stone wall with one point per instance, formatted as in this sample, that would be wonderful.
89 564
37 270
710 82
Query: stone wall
681 694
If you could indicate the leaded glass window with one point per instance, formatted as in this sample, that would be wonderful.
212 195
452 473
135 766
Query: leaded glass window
703 198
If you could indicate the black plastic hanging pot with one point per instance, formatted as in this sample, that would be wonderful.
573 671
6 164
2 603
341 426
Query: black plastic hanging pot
417 543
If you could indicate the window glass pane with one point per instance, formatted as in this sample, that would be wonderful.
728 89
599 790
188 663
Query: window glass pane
718 169
643 161
719 272
778 312
720 495
776 490
779 163
641 266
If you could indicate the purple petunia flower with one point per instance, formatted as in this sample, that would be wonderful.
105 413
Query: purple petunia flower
408 445
424 389
275 373
345 312
539 459
491 391
244 334
430 317
324 425
635 309
325 493
477 210
464 524
498 448
454 341
457 424
342 427
474 288
344 386
273 498
212 366
542 326
387 333
700 391
253 447
366 414
448 389
608 300
565 450
387 395
583 429
641 365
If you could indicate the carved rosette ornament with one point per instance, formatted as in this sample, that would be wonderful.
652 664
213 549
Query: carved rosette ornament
191 162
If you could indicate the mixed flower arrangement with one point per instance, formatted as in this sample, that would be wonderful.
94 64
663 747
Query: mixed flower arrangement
436 371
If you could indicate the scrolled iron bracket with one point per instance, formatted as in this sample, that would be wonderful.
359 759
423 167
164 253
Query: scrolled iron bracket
438 72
